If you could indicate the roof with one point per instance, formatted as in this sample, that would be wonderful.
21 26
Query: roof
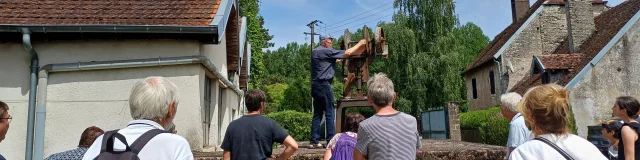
501 39
527 82
123 12
608 24
559 61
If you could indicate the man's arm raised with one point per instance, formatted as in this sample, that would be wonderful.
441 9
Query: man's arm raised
292 147
355 50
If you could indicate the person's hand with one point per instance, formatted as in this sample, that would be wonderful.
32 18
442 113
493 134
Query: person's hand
338 60
362 42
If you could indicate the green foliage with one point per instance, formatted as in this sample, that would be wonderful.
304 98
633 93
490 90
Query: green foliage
259 38
298 95
297 124
494 129
275 95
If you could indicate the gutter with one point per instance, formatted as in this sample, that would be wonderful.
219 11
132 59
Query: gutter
116 64
222 16
111 29
604 51
35 64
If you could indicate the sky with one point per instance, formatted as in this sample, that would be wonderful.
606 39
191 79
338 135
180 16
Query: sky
287 19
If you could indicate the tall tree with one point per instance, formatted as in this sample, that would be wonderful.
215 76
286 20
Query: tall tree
258 36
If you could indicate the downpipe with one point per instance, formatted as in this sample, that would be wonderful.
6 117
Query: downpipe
499 75
41 114
33 83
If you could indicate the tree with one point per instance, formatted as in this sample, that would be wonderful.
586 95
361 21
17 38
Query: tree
258 36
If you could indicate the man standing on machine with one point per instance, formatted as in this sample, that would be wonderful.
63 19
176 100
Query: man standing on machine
323 62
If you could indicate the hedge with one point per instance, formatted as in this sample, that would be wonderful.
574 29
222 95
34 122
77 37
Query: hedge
493 128
297 124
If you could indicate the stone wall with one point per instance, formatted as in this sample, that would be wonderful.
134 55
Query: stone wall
616 74
484 97
582 23
431 149
552 27
454 121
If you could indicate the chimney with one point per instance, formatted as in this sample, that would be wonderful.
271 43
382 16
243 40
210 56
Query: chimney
518 9
580 23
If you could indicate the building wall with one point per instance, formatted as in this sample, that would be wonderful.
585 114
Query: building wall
77 100
483 86
599 9
616 74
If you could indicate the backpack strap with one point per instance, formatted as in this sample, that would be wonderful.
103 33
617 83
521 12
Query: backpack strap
137 145
105 137
554 146
108 141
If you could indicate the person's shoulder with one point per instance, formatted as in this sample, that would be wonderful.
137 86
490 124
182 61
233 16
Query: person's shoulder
407 116
172 139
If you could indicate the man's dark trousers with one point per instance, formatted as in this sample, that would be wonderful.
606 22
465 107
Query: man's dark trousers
322 94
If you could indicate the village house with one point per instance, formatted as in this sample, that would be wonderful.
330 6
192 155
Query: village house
589 48
80 59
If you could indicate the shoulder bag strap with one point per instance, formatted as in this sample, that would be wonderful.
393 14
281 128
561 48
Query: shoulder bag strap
554 146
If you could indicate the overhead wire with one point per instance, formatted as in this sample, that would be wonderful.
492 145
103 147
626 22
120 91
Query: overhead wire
338 30
363 18
359 14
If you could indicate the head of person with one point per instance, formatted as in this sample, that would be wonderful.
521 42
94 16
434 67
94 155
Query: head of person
546 110
89 135
5 118
509 104
154 98
380 91
626 107
255 100
609 128
353 122
326 40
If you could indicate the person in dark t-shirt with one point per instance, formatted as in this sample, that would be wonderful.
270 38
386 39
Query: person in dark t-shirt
251 136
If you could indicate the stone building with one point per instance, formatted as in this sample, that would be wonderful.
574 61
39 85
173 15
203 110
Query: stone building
86 56
594 54
536 30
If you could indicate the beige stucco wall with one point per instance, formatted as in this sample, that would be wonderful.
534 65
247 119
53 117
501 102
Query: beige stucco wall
77 100
483 86
616 74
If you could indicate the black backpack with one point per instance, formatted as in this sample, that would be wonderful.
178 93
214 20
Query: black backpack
131 152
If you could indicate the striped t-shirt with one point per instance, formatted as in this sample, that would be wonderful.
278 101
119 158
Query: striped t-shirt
389 137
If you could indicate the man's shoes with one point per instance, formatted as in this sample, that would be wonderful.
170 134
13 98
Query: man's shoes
314 146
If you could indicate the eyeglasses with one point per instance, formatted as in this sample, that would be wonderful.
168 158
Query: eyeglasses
8 119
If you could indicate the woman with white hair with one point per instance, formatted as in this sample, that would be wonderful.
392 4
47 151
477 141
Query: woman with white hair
518 131
153 103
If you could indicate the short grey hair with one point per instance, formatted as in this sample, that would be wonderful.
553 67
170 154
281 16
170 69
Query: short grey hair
380 90
510 100
150 98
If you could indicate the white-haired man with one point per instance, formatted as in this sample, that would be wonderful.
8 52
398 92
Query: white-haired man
153 103
518 131
389 134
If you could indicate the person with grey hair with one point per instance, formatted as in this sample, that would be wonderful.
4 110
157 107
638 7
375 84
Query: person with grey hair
518 131
387 125
153 103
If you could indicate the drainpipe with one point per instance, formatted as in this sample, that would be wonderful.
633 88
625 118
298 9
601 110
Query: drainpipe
26 41
41 114
499 75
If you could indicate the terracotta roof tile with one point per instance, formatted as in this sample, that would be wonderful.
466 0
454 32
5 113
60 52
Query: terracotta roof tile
560 61
123 12
607 25
492 48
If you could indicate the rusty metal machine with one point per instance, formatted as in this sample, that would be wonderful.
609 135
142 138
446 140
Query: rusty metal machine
357 68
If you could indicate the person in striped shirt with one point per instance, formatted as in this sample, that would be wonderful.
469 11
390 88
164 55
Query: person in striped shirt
389 134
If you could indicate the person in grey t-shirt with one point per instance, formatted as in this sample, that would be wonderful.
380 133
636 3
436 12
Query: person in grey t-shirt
389 134
518 131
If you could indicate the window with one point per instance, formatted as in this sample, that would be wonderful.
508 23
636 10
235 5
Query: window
492 82
475 90
233 114
221 100
546 79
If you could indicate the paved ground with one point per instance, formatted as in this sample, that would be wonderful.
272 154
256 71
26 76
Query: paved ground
431 150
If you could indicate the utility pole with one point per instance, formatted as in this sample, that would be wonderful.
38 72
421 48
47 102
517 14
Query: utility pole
312 26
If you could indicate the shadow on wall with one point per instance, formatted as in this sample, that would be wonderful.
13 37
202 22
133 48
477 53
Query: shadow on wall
15 62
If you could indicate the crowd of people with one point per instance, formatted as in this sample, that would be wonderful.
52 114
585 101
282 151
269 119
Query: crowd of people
539 127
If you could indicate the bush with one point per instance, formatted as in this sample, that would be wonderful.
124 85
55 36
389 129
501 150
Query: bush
493 128
297 124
